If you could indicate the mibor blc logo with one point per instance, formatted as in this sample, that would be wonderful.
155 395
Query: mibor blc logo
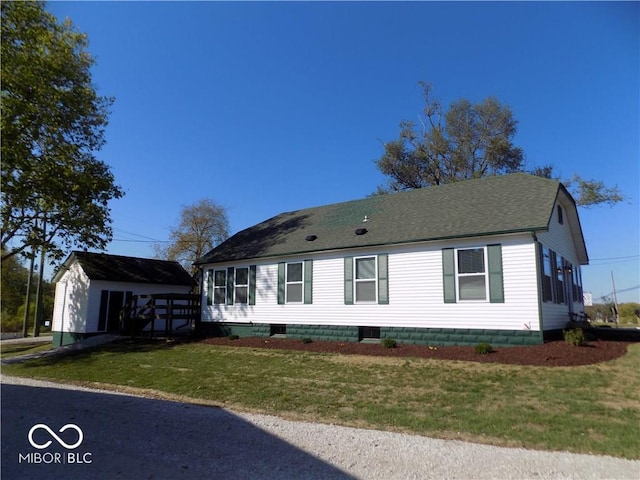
67 441
58 439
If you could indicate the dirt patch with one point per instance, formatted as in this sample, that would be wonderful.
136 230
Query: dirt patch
549 354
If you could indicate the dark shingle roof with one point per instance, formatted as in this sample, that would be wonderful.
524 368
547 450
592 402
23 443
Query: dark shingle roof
492 205
116 268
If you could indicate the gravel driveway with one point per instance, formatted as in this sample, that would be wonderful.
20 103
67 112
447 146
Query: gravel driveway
205 442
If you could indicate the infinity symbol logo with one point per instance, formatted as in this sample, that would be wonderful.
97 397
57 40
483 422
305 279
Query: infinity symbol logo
58 439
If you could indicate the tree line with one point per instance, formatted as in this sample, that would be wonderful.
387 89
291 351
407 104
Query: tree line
13 284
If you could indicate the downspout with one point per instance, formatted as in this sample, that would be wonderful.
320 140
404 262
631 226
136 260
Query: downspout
537 247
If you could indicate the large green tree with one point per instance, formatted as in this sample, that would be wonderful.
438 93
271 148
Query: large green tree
55 192
202 226
467 141
13 287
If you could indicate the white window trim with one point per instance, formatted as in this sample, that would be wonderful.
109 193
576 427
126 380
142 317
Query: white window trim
296 282
356 280
219 287
462 275
237 285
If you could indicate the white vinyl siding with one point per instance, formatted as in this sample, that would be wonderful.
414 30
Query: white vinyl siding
415 291
71 302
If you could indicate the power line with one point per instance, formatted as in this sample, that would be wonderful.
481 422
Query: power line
601 262
614 258
138 241
625 290
621 291
135 234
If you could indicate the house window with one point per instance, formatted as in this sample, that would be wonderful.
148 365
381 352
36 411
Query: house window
472 277
547 275
232 285
279 329
368 333
473 274
560 219
242 285
294 282
220 287
365 279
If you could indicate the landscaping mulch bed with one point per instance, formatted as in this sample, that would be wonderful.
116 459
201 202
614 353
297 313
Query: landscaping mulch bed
549 354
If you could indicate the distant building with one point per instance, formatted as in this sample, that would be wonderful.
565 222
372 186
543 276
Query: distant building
587 299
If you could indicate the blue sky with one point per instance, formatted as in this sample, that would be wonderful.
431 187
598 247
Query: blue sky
272 107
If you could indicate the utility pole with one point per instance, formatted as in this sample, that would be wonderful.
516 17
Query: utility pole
25 323
38 313
43 256
615 301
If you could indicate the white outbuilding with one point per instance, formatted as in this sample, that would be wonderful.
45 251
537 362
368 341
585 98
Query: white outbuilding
93 288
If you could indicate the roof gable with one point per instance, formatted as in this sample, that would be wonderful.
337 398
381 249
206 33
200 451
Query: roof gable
116 268
487 206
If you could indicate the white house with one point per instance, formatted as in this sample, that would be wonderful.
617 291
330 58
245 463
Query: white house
494 259
92 288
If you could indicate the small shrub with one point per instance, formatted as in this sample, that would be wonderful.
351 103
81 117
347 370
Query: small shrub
307 340
233 337
389 343
484 348
574 336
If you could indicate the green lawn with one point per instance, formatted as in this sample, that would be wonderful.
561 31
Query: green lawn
588 409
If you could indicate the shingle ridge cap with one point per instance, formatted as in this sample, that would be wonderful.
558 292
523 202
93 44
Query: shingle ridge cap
430 190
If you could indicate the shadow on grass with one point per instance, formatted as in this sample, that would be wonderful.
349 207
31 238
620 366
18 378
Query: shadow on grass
132 437
617 334
122 346
23 348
